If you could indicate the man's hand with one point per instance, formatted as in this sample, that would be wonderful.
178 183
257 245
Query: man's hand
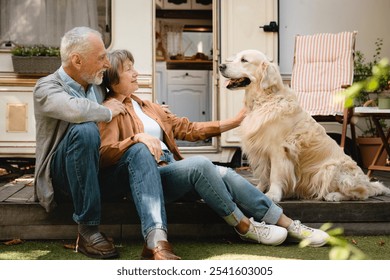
151 142
115 106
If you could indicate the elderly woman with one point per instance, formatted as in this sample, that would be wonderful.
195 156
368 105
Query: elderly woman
151 131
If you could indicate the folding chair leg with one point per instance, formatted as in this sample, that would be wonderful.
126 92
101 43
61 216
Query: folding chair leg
344 128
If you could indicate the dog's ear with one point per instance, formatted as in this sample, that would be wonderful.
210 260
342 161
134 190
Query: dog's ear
270 75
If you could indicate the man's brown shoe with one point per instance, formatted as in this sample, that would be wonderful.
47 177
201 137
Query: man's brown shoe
97 247
163 251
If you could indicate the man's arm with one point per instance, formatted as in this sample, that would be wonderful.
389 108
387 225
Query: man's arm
53 101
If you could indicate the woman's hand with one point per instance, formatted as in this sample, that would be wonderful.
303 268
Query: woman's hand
151 142
234 122
241 115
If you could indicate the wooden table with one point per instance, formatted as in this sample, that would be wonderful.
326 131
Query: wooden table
376 115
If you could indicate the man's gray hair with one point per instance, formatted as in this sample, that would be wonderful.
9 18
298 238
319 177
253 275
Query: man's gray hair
76 40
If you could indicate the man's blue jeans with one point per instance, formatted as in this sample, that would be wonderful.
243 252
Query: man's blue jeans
74 170
75 176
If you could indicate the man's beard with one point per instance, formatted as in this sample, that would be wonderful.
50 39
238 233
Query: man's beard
96 79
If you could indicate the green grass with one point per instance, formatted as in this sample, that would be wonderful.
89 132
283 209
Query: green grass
374 247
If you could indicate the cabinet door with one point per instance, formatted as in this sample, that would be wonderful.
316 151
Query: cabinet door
187 77
17 122
201 4
161 82
240 30
177 4
188 101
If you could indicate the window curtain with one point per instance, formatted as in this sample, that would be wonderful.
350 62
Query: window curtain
172 37
29 22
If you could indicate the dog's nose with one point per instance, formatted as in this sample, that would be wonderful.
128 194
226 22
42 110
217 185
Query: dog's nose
222 67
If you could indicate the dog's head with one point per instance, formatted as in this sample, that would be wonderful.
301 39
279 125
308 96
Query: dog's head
250 67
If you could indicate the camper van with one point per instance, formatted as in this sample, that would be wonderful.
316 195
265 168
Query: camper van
177 45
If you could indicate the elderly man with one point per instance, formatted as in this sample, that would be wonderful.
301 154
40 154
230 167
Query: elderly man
67 106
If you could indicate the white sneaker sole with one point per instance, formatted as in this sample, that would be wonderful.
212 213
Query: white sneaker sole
258 242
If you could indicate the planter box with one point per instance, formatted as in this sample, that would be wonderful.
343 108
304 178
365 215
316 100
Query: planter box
384 103
384 99
368 147
36 64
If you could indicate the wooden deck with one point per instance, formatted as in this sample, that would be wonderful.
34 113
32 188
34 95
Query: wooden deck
22 217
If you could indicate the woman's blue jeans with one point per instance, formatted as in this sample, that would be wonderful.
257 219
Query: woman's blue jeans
230 195
226 192
137 173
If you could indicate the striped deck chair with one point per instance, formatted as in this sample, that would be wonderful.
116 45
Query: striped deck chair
322 67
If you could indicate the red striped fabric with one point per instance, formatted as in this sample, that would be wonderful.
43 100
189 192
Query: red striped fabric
323 63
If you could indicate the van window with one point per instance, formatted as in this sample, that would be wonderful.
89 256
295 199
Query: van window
45 21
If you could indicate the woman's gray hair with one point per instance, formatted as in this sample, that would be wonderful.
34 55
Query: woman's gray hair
116 58
76 41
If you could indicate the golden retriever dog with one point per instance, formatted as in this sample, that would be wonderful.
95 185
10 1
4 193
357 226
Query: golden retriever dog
288 151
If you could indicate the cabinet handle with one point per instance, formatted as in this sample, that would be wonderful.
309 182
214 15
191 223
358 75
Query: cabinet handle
177 2
203 113
187 74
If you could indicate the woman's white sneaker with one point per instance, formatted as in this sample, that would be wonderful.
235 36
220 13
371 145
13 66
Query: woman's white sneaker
298 231
264 234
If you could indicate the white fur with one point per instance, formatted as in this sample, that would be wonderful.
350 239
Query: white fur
289 152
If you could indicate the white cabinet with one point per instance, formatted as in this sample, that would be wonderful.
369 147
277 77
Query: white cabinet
17 121
161 82
187 4
177 4
188 93
201 4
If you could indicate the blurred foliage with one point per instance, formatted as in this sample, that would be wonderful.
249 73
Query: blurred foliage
377 81
341 249
35 50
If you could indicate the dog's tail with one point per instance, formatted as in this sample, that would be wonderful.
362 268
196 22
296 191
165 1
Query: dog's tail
365 189
377 188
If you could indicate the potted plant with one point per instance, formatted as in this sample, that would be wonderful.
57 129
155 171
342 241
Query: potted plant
371 80
384 94
363 70
36 59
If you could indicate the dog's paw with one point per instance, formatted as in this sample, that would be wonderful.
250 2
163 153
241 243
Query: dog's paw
274 197
334 196
262 187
